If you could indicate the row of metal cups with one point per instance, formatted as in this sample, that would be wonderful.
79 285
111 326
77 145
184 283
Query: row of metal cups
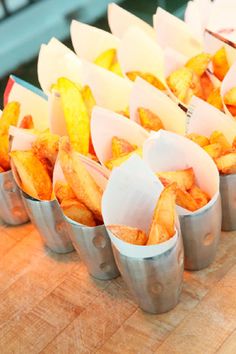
155 282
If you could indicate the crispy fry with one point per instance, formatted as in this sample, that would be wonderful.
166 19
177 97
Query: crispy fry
232 110
79 179
220 64
227 163
125 112
199 196
183 178
116 69
201 140
110 164
76 115
129 234
34 178
215 99
106 59
207 86
121 146
88 98
214 150
199 63
27 122
1 169
218 137
185 200
158 234
78 212
63 191
234 143
10 116
230 97
4 150
149 120
148 77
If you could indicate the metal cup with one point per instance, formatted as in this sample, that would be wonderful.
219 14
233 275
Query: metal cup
155 282
228 200
50 223
201 233
12 210
94 247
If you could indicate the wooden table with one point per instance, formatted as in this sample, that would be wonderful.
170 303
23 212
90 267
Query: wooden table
49 304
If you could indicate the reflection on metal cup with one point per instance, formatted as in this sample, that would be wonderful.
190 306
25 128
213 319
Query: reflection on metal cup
155 282
228 201
50 223
94 247
201 233
12 210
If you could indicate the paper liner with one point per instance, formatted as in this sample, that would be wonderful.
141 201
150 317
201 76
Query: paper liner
137 52
56 115
145 95
212 43
105 124
130 199
228 83
32 101
89 42
56 60
203 119
167 151
173 60
120 20
173 32
222 19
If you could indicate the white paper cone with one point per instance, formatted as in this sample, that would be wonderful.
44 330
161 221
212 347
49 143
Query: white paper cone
204 119
56 115
120 20
106 124
145 95
130 199
89 42
22 138
166 151
173 60
173 32
228 83
212 44
222 19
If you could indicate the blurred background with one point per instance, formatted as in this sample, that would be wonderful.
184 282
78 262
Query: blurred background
26 24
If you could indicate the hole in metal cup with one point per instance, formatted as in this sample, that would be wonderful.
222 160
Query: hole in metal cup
99 241
105 267
9 186
208 239
60 227
17 211
156 288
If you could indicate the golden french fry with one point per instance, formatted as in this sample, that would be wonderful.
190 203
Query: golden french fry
149 120
158 234
214 150
129 234
27 122
234 143
125 112
76 115
153 80
78 212
207 86
120 147
9 116
218 137
4 150
199 63
63 191
110 164
220 64
183 178
116 68
79 179
232 110
199 196
201 140
106 59
88 98
34 178
185 200
215 99
227 163
230 97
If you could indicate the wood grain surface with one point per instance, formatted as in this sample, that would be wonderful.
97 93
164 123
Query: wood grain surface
49 304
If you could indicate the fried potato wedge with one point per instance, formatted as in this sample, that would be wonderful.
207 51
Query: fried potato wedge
27 122
199 196
82 183
1 169
227 163
10 116
125 112
185 200
201 140
106 59
214 150
153 80
78 212
110 164
129 234
220 64
120 147
63 191
88 98
183 178
4 150
199 63
158 234
230 97
149 120
207 86
232 110
116 68
76 115
215 99
219 138
34 177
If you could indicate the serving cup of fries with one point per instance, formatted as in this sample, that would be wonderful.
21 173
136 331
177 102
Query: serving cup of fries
140 218
216 132
176 159
78 186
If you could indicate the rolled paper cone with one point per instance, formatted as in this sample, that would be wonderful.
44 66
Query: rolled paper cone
213 42
222 19
228 83
118 27
196 16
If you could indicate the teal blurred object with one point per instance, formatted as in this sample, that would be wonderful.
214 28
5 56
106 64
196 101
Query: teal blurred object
26 24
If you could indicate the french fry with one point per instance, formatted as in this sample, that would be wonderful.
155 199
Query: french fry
106 59
78 212
27 122
199 196
153 80
185 200
76 115
129 234
110 164
158 234
63 191
207 86
9 116
121 146
34 178
201 140
125 112
219 138
230 97
227 163
1 169
234 143
214 150
4 150
232 110
183 178
215 99
149 120
220 64
79 179
116 69
199 63
88 98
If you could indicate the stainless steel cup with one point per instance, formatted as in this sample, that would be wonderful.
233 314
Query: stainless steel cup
50 223
94 247
155 282
12 210
228 201
201 233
